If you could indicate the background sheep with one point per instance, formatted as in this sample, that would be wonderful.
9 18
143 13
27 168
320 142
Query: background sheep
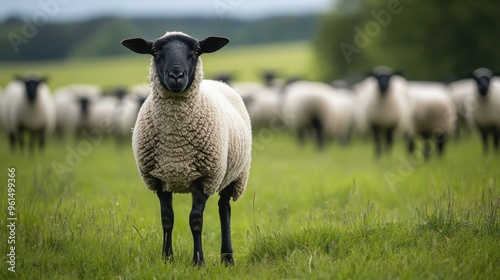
73 103
28 106
462 94
191 135
485 112
383 105
126 111
433 115
316 108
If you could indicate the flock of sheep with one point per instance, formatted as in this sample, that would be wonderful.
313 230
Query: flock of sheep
192 135
29 110
384 105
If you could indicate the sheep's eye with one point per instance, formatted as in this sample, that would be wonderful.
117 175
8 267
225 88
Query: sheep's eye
196 52
155 52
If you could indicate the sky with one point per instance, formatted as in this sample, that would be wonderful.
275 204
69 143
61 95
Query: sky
62 10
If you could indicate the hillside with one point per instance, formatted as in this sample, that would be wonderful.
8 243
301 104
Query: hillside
101 36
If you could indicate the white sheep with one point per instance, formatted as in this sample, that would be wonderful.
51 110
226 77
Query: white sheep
383 104
73 103
317 108
28 106
126 111
191 136
462 93
485 112
433 115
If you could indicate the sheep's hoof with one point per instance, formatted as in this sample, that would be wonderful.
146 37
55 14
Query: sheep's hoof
227 259
168 258
198 263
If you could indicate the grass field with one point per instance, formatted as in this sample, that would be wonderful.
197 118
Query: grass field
245 63
83 212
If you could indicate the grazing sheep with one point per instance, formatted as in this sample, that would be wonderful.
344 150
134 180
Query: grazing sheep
28 106
433 115
191 136
317 108
383 102
485 112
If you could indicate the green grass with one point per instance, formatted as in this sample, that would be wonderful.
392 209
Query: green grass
305 215
245 62
83 211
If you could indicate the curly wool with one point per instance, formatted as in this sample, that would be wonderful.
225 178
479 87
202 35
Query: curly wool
201 133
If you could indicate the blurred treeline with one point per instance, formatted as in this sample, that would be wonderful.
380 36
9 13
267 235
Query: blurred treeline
428 40
102 36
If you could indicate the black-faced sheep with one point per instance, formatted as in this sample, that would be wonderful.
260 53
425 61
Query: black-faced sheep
319 109
433 115
28 106
191 136
383 104
485 112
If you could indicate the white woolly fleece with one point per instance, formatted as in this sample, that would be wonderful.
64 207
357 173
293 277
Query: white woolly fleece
201 133
17 111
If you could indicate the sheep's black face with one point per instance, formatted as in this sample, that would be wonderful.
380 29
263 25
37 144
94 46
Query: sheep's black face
176 58
383 81
31 89
482 76
483 84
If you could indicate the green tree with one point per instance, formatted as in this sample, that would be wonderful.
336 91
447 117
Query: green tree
431 40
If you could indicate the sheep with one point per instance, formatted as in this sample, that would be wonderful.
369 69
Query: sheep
383 102
126 110
485 112
318 108
28 106
191 136
461 93
433 115
73 104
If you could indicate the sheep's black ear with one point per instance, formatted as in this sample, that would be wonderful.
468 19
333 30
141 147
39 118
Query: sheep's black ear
212 44
139 45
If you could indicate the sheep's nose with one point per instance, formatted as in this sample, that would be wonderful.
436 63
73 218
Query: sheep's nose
176 74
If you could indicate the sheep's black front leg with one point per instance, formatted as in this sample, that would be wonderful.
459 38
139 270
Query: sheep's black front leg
389 138
318 128
440 141
411 146
496 140
378 141
484 136
167 220
225 225
12 141
196 221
